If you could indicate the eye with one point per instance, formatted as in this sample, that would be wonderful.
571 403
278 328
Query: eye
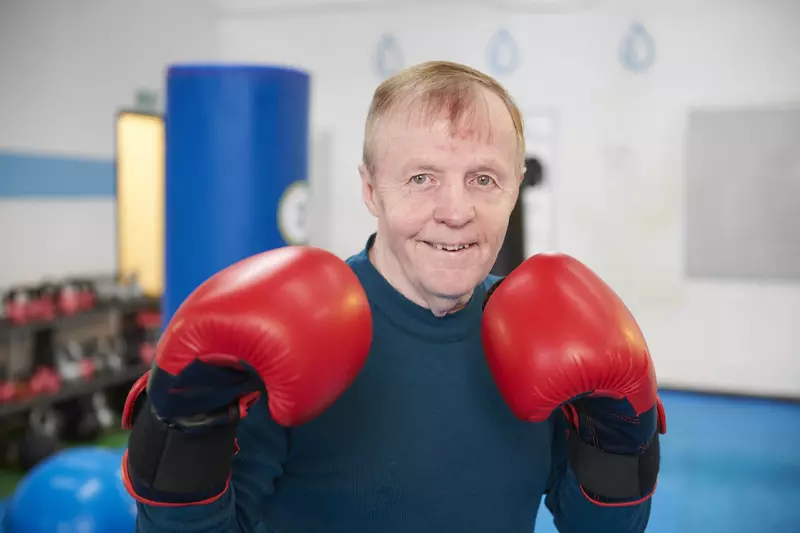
484 181
419 179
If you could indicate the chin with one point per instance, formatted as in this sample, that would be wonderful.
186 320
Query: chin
450 275
453 284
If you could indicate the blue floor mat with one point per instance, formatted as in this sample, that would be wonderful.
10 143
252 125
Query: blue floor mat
729 465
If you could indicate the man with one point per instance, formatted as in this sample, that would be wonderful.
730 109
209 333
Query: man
294 392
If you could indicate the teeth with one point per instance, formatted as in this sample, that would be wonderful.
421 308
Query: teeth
450 248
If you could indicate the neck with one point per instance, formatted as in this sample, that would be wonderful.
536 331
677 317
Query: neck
384 262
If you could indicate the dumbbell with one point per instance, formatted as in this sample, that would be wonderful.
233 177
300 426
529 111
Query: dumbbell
44 380
9 391
68 299
16 304
71 363
44 300
86 294
110 353
130 288
106 289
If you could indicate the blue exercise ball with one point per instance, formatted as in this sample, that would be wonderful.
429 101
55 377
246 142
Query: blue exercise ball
78 490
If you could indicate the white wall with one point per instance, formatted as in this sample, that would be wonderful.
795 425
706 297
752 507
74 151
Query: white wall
618 163
67 68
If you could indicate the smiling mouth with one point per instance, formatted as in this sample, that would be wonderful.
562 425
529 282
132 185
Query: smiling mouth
450 247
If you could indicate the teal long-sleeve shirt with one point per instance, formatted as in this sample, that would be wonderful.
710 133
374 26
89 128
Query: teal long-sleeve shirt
422 442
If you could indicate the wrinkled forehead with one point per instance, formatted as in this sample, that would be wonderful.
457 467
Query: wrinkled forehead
469 114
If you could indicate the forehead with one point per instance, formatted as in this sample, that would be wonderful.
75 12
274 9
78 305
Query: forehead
479 120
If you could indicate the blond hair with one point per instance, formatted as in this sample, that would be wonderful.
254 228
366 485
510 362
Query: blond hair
441 87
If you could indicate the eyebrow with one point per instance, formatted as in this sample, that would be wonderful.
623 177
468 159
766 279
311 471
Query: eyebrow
489 166
421 165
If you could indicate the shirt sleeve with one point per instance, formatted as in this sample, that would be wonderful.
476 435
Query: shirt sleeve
572 511
263 447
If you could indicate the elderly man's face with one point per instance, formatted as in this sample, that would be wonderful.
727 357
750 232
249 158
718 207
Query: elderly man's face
443 198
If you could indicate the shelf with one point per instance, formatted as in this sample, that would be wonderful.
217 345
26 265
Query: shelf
67 321
73 390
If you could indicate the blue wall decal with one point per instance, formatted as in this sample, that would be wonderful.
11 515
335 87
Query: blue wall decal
502 53
26 175
638 49
388 56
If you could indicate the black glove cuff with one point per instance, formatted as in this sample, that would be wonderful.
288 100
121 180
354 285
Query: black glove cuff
609 477
169 465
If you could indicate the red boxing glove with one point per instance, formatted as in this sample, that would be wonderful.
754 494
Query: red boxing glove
293 321
556 336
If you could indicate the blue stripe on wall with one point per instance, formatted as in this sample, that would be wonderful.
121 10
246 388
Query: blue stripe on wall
31 176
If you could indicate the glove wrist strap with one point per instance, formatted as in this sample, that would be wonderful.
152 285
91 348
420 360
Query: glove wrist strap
608 478
170 466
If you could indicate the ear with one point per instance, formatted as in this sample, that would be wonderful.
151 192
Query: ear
368 189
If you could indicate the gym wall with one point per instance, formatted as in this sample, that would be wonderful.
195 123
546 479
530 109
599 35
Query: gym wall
615 129
612 109
67 69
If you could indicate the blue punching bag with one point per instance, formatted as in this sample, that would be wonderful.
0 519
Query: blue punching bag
236 169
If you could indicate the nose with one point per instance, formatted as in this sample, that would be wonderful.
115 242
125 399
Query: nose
454 206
